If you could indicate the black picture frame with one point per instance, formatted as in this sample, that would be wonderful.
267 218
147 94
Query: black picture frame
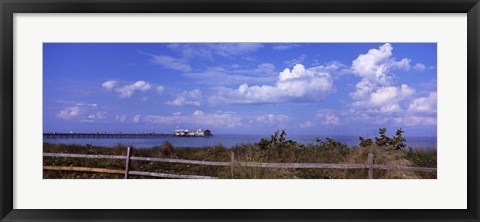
10 7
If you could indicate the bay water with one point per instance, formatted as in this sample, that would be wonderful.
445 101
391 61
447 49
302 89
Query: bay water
227 140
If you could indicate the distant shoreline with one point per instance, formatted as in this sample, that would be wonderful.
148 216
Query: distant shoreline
256 135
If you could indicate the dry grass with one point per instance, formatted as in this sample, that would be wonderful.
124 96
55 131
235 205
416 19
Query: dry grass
249 155
383 157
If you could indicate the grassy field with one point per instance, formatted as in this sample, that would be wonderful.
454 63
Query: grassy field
329 151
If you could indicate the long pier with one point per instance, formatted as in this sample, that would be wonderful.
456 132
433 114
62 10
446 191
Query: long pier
106 135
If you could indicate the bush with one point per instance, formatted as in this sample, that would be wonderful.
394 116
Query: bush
168 150
397 142
277 141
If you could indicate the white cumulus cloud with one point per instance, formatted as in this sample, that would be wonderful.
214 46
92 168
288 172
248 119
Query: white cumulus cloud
372 65
128 90
160 89
272 118
424 104
198 113
419 67
109 84
376 91
69 113
374 68
385 99
296 85
327 117
101 115
389 94
90 118
192 97
416 120
306 124
383 95
136 119
121 118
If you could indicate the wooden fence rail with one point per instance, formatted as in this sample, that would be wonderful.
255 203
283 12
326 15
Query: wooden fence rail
370 165
112 171
197 162
84 169
89 156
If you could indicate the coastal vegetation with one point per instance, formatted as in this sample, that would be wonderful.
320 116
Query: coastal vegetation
276 149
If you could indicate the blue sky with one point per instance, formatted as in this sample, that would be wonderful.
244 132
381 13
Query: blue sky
241 88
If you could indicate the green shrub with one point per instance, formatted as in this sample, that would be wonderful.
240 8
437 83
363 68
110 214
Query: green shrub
397 142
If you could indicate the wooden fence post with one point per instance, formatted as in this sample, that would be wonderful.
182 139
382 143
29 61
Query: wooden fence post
127 164
232 163
370 165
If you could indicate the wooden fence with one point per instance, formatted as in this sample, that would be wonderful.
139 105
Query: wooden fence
370 165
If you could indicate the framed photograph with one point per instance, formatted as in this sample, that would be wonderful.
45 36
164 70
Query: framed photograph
259 122
243 110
